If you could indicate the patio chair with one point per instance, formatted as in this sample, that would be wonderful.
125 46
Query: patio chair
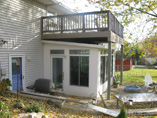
148 81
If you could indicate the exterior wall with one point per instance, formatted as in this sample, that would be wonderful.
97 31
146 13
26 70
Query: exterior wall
67 88
20 27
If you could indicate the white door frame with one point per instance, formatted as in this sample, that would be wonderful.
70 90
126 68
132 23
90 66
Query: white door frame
23 68
51 67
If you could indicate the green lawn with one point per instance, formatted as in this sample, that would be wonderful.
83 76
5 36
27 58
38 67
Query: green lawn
136 76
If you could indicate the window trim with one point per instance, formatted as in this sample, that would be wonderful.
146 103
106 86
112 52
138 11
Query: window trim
79 70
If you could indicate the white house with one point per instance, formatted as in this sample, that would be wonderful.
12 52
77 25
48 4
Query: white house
75 51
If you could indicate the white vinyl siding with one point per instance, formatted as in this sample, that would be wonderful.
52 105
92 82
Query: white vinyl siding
20 26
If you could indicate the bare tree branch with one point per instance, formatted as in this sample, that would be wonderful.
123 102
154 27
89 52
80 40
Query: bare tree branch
146 12
152 10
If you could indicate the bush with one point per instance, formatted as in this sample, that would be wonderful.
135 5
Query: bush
4 84
122 113
7 81
3 87
4 110
49 102
34 108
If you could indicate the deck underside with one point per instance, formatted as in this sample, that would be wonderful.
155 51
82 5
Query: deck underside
85 37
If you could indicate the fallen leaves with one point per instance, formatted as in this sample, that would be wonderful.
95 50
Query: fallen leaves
50 110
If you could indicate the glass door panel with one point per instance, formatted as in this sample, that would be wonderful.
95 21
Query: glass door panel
16 73
57 72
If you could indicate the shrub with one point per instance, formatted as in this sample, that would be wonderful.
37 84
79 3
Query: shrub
3 87
4 84
49 102
122 113
7 81
34 108
4 110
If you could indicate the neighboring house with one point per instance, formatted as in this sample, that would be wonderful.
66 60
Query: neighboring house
127 63
72 50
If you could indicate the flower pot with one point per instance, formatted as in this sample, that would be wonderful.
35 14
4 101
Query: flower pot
115 85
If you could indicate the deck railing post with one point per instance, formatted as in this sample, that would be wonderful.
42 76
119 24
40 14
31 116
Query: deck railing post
61 24
121 31
83 23
114 24
41 25
108 20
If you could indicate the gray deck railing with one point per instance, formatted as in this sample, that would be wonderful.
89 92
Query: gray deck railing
81 22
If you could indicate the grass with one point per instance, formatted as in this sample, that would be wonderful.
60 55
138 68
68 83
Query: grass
136 76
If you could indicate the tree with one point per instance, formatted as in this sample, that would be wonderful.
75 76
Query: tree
139 52
150 47
130 11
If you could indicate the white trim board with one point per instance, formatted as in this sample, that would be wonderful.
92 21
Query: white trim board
105 46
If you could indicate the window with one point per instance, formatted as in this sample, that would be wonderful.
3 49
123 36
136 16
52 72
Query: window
56 51
106 67
104 52
111 67
79 70
82 52
102 69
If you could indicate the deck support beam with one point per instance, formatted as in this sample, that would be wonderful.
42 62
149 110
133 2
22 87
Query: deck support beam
121 71
109 70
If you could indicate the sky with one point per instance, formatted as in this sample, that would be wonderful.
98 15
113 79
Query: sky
80 5
139 29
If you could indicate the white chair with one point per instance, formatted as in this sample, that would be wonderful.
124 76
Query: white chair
148 80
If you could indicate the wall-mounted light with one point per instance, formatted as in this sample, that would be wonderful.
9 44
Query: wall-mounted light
28 58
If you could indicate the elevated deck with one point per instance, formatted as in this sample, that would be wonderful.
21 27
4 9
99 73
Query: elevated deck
90 27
